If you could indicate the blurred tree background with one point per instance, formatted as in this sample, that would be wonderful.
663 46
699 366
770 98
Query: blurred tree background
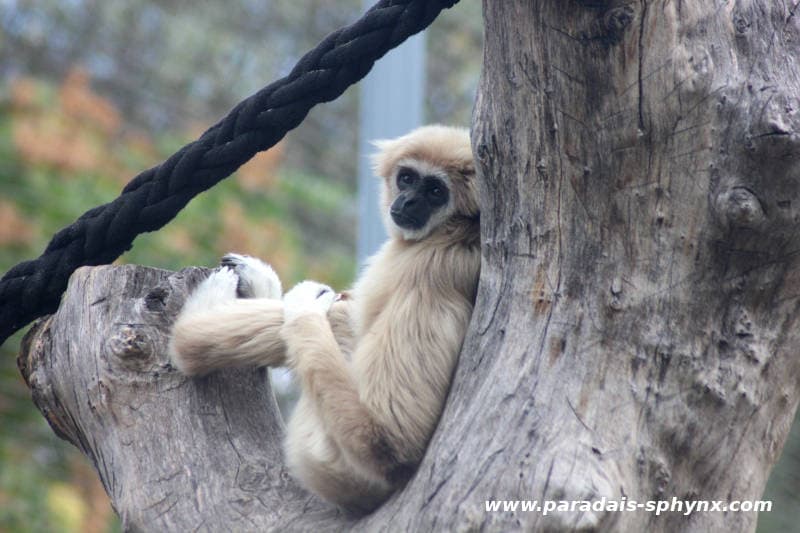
94 91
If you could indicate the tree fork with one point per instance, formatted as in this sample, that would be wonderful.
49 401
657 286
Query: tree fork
635 329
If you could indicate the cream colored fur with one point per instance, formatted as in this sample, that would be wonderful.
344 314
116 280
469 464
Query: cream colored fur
374 371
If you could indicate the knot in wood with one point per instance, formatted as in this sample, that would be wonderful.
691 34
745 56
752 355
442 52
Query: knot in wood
609 27
156 299
482 152
615 301
131 345
616 21
741 24
739 207
774 135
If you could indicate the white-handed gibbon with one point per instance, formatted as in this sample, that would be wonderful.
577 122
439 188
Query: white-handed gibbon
374 364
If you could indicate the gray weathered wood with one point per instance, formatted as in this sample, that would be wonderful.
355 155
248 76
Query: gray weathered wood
174 454
638 305
635 332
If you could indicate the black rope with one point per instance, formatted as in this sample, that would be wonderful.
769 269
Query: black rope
33 288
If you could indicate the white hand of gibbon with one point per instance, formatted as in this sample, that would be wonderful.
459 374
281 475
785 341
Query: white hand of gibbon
307 297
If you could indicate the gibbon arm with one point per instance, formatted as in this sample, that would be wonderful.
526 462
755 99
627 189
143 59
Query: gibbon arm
235 333
243 332
326 379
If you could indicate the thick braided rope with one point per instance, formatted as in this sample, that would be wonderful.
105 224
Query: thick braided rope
33 288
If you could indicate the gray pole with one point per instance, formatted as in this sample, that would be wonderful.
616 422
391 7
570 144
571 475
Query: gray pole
392 97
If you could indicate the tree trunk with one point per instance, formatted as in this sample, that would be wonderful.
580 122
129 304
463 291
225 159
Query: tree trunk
634 331
174 454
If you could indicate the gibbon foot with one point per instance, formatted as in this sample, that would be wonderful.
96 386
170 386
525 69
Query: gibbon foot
256 278
232 319
219 286
307 297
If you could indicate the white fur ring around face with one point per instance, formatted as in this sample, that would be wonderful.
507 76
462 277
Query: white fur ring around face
307 297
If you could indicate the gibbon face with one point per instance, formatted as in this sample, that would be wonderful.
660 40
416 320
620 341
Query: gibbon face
428 179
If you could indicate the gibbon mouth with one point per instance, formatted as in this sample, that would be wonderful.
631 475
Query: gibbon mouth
405 221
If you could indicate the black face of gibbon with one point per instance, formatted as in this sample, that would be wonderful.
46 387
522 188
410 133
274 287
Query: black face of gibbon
418 198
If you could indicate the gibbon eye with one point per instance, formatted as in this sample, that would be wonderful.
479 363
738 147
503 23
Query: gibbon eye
436 191
406 178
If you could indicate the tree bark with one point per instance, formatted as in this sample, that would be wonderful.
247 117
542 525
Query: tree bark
635 326
174 454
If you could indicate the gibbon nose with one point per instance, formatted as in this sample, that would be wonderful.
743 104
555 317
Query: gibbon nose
402 205
410 203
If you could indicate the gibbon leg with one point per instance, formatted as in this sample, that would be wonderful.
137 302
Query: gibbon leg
332 394
318 464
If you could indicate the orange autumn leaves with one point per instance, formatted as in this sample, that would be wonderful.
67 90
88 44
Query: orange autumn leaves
82 131
72 148
15 230
70 132
77 134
